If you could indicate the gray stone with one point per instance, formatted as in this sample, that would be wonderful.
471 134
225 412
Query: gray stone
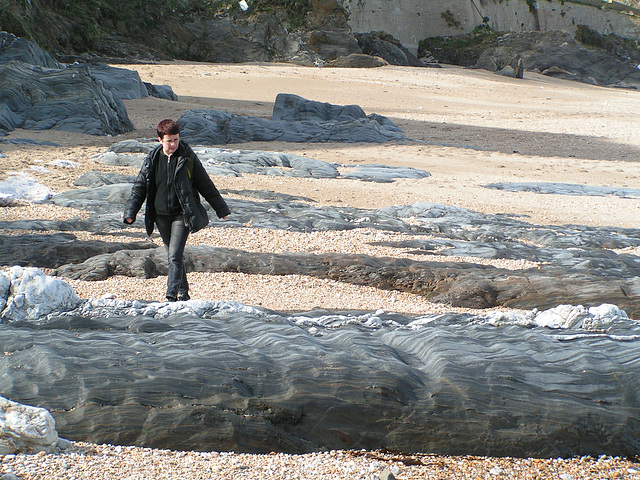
294 119
53 250
124 83
503 61
228 377
161 91
98 179
15 49
331 44
556 188
69 99
383 45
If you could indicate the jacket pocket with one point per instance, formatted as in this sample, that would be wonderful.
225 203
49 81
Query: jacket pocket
201 218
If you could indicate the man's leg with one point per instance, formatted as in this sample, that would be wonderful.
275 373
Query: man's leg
174 235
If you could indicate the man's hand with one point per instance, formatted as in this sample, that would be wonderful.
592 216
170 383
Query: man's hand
128 220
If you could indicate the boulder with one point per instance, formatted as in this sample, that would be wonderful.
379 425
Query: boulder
56 249
503 61
552 53
331 44
26 429
222 376
15 49
124 83
28 294
294 119
358 60
383 45
68 99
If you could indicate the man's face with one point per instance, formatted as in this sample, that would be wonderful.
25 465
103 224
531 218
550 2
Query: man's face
169 143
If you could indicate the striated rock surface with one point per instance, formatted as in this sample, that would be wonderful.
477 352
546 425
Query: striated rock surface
294 119
69 99
223 376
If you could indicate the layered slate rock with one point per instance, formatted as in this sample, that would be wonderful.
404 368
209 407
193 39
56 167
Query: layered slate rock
227 377
294 119
15 49
68 99
38 92
225 162
556 188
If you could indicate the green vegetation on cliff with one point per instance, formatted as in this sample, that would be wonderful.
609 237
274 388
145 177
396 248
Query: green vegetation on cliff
76 26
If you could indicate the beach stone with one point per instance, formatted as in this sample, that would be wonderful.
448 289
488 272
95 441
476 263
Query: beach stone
556 188
98 179
26 429
57 249
294 119
207 376
387 475
28 294
67 99
384 45
24 187
124 83
383 173
225 162
161 91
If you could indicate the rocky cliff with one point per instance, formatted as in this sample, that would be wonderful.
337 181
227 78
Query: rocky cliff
413 20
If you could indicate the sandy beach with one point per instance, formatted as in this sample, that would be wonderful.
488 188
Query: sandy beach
471 127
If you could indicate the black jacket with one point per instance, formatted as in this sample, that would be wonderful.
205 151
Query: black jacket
191 181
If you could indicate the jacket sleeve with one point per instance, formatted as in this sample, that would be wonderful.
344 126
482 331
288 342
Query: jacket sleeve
207 189
138 191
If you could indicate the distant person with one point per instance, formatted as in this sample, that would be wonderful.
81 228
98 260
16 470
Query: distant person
171 180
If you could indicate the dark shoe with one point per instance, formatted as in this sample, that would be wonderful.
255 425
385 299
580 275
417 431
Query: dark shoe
183 297
171 298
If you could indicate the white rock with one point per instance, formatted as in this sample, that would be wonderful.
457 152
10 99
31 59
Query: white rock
26 429
6 199
25 187
33 295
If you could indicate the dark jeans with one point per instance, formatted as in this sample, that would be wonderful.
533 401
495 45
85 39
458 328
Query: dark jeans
174 234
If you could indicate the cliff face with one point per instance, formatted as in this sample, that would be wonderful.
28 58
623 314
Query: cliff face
413 20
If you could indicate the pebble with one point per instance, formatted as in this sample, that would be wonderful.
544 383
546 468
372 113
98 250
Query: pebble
102 462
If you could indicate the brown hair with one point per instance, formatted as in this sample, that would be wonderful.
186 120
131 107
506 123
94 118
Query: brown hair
167 127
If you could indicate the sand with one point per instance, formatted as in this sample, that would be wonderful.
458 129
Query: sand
474 128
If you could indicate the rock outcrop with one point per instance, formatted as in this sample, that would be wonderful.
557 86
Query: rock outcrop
224 376
69 99
294 119
37 92
553 53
